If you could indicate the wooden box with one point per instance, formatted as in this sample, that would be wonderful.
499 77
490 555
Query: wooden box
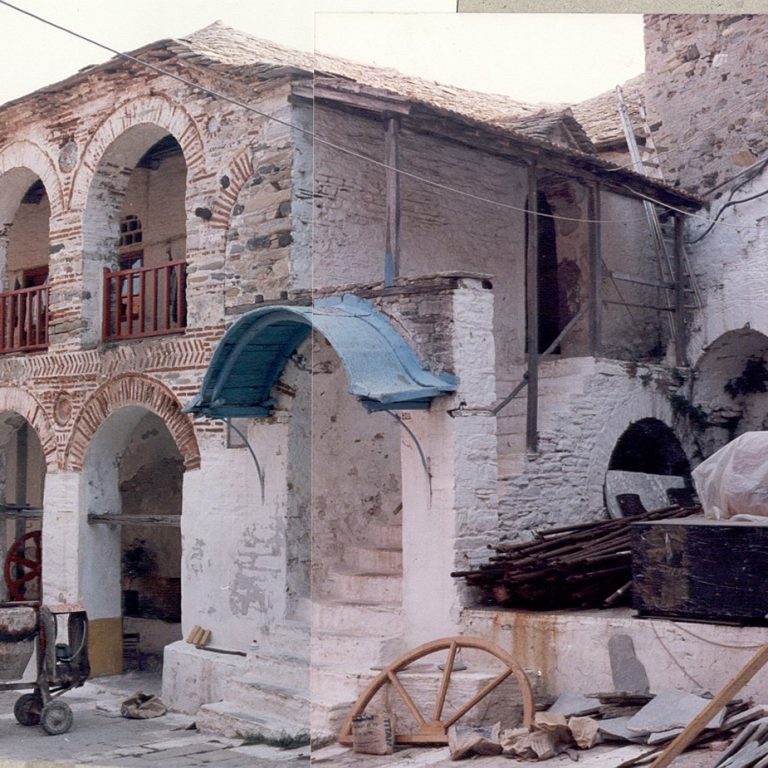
705 570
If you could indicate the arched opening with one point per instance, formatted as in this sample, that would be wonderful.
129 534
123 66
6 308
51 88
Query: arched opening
135 229
729 394
356 504
24 254
22 482
131 571
648 469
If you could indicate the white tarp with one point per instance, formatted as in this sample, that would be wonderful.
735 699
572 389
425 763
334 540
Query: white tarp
734 481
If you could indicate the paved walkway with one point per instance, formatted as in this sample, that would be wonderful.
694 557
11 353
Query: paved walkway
101 737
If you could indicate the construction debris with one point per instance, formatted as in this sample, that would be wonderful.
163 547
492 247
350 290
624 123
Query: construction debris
467 741
576 566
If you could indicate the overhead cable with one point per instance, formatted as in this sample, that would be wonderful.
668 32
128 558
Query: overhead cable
345 150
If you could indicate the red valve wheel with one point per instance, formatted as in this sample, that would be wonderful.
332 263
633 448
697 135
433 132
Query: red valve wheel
22 568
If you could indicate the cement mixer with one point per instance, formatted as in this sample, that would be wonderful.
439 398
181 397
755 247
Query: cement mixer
27 628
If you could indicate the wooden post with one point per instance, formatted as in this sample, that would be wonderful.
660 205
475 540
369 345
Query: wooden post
680 334
532 312
595 273
392 234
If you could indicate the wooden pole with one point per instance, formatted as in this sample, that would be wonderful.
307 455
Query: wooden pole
697 725
596 272
680 335
392 234
532 311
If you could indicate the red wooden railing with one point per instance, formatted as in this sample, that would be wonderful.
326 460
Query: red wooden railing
24 319
148 301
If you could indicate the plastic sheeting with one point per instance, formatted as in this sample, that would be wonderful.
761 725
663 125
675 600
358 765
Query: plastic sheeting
734 481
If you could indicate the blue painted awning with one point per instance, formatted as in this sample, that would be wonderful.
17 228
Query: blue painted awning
382 370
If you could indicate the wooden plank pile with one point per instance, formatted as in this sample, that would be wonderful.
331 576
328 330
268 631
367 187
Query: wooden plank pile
586 565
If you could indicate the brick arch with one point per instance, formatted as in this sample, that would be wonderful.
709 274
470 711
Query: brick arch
18 401
137 390
156 110
27 154
240 170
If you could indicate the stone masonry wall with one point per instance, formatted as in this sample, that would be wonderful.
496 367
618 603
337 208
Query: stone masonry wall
596 400
705 92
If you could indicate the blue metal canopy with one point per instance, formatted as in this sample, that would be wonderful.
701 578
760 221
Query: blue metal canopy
382 370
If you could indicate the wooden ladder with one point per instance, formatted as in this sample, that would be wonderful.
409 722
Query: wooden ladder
650 166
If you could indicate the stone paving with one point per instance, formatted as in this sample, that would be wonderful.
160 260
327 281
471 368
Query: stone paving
101 737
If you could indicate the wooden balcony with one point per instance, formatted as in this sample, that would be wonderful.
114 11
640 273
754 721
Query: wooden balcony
24 319
147 301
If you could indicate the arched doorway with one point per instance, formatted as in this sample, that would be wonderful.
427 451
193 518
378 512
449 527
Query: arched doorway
648 469
24 256
22 481
131 571
135 229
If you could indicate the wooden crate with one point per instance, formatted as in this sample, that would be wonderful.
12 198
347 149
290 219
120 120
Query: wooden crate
705 570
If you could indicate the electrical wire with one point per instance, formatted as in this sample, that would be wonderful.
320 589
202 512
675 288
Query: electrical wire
309 133
352 153
717 216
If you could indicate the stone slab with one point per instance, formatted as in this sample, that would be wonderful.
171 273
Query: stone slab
572 704
627 670
615 728
670 709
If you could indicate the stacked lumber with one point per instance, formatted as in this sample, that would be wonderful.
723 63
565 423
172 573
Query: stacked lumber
586 565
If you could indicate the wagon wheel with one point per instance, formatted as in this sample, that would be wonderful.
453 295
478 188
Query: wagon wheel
20 569
434 728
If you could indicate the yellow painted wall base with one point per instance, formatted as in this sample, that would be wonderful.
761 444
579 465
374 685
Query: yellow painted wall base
105 646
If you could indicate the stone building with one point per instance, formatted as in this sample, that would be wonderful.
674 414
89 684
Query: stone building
277 371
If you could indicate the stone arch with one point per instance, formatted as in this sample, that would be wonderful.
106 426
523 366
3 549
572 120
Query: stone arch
127 390
240 170
729 392
21 402
31 157
156 110
640 403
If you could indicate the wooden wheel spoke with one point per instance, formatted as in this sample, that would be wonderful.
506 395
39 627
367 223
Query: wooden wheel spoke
27 577
435 730
445 682
479 696
26 563
406 697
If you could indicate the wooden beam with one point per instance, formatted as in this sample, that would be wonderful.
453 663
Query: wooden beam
173 521
699 723
681 341
370 102
392 234
532 313
596 272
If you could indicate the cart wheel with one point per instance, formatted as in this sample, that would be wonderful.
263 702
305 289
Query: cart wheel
27 708
22 567
56 718
433 728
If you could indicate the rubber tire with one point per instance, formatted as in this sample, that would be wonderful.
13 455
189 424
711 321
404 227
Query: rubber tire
27 709
56 718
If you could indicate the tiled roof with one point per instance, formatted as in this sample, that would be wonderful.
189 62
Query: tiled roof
599 116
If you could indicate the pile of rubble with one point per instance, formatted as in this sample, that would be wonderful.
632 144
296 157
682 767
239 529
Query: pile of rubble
578 722
588 565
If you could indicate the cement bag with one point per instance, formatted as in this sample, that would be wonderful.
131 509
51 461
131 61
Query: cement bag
373 734
142 706
734 481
